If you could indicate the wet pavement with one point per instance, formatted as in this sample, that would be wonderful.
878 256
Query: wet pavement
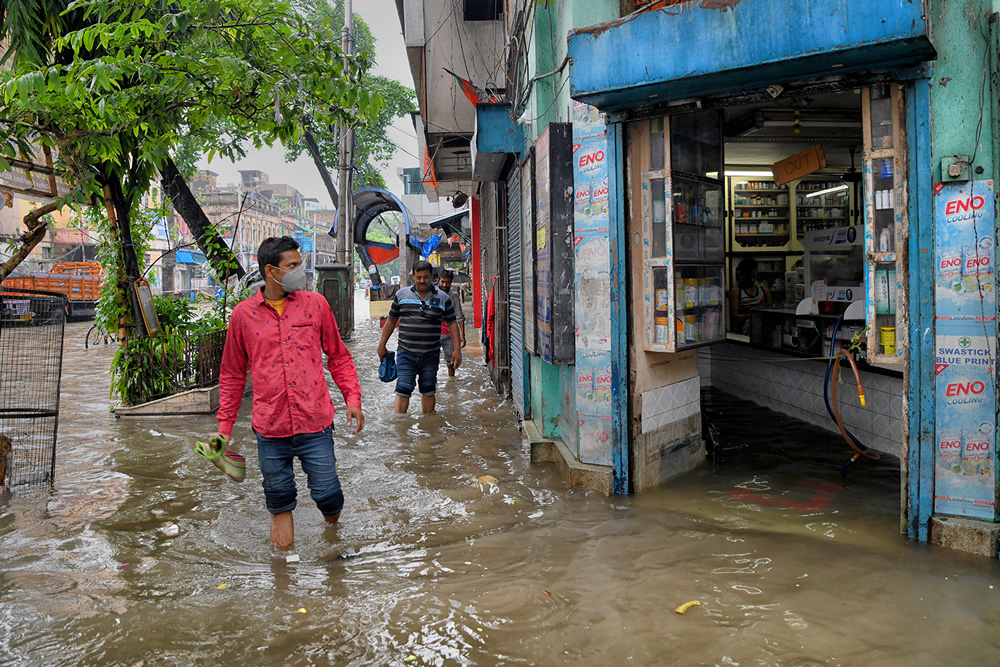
792 563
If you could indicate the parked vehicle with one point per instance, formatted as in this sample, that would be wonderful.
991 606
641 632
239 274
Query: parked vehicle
79 281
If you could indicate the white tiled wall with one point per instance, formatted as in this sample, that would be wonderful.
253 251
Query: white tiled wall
670 403
795 388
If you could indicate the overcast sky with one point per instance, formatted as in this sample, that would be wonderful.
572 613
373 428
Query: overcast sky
381 17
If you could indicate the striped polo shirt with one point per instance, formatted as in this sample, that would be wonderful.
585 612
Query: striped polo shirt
420 319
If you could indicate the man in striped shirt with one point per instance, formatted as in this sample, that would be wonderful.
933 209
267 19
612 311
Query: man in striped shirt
419 310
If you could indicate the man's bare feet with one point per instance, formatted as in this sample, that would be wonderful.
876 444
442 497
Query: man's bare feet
282 530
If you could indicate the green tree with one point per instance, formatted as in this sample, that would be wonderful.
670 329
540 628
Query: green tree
372 146
113 88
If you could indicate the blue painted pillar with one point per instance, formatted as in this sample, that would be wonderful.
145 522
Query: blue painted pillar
617 188
920 457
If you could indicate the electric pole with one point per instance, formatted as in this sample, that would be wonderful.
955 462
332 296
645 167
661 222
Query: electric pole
345 214
345 160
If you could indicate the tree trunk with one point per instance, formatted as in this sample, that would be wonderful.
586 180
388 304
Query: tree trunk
324 173
218 253
121 219
36 232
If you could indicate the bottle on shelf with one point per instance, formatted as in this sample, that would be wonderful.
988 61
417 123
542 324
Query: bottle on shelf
661 315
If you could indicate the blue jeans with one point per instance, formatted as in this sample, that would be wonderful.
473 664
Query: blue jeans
447 347
315 452
410 367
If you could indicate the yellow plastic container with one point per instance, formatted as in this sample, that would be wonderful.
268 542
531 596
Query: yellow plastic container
887 338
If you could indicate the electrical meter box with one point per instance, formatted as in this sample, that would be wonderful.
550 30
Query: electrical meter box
334 282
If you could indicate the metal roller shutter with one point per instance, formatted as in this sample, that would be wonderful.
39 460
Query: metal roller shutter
515 291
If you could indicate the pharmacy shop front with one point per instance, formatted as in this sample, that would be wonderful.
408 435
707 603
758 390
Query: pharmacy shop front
783 205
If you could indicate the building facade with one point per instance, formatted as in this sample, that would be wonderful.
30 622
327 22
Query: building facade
257 209
845 150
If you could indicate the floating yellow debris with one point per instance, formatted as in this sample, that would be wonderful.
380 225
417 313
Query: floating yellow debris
410 658
221 586
302 610
487 479
687 605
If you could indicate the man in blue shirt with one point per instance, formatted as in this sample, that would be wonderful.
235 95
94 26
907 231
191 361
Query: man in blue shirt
419 310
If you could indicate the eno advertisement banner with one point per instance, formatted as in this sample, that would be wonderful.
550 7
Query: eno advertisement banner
592 264
965 425
965 221
965 342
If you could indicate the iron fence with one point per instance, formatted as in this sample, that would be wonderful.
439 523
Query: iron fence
168 364
32 325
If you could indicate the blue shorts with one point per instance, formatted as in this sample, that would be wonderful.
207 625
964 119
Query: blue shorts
319 462
412 371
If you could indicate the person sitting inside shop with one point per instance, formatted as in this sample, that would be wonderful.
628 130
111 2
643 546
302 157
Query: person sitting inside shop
748 294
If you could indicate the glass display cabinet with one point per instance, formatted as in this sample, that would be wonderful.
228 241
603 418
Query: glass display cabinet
683 244
885 223
821 204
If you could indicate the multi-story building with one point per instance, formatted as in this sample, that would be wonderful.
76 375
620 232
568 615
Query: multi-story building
21 192
244 216
654 169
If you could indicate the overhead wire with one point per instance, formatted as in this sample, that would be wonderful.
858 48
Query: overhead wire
491 73
555 98
982 84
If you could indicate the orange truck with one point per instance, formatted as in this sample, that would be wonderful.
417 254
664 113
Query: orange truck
79 281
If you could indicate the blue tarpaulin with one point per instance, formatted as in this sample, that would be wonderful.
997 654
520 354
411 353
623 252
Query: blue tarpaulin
190 257
428 246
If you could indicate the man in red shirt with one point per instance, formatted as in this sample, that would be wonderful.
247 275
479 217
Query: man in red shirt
281 333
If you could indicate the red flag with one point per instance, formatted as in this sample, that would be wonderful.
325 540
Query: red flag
475 95
467 87
428 176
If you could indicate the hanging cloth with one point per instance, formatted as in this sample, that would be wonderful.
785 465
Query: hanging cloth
491 316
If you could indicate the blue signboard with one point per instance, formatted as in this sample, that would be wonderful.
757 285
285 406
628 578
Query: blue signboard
305 242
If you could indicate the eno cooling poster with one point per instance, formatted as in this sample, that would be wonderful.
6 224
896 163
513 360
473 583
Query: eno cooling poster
592 264
965 344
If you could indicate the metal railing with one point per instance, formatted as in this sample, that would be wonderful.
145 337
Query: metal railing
168 364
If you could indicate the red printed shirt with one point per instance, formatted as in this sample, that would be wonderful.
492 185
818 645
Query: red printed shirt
285 356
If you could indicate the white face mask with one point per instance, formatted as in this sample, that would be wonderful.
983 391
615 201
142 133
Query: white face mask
294 280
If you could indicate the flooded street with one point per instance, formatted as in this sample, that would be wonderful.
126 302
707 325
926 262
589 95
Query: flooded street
792 563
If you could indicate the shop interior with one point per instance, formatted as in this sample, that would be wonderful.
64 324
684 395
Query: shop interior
782 271
769 263
776 253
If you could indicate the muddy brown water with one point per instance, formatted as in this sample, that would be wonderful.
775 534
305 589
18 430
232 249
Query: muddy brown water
792 564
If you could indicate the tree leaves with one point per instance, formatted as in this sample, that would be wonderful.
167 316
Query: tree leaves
381 98
119 84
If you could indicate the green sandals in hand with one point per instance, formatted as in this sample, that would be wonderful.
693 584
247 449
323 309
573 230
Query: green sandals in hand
229 462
